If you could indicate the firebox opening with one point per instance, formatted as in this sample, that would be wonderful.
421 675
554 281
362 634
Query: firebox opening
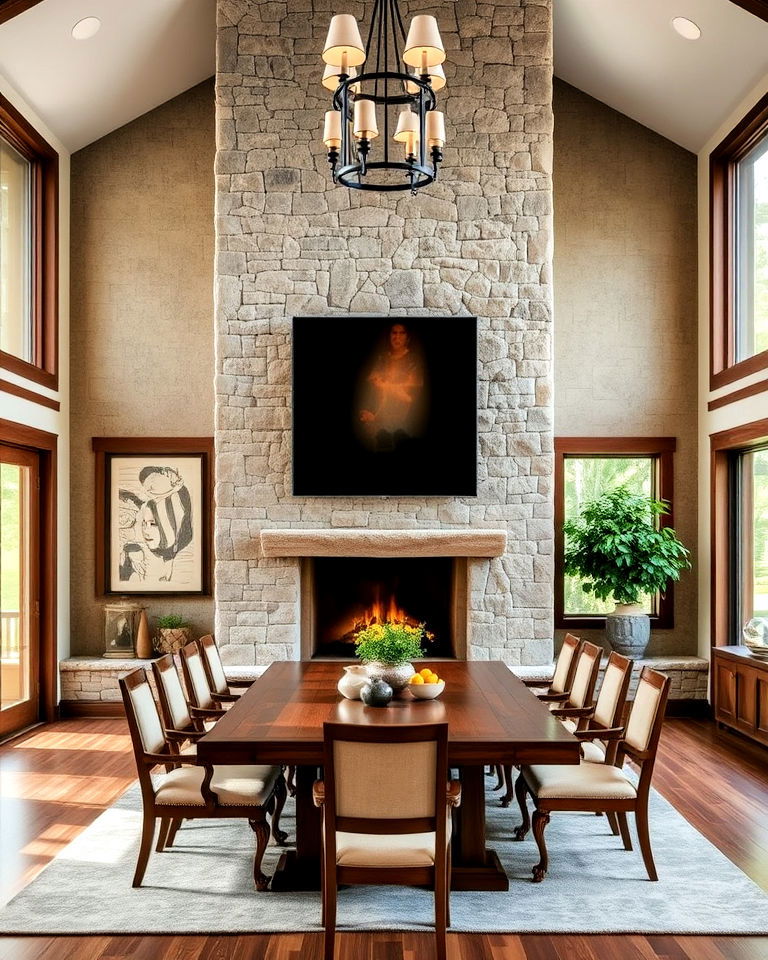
348 594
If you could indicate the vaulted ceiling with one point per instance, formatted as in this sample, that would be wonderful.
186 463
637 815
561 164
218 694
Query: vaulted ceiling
623 52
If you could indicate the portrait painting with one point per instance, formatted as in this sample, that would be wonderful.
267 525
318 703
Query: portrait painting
384 406
156 522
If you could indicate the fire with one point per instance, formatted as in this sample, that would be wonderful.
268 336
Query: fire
383 609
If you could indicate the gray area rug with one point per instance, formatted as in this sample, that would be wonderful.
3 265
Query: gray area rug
204 885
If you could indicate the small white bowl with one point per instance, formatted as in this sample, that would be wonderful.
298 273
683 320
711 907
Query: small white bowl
427 691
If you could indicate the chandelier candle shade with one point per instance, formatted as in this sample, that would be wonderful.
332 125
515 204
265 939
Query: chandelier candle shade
365 100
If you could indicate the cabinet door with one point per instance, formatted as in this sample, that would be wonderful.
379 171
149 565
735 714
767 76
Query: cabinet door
725 691
761 711
746 698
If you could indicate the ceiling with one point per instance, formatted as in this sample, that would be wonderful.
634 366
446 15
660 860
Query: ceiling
622 52
625 53
146 52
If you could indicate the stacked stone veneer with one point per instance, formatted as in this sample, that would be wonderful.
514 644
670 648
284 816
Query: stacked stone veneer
478 242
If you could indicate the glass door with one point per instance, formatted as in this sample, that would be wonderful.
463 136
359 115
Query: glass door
19 588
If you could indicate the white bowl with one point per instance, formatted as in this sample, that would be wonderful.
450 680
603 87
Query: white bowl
426 691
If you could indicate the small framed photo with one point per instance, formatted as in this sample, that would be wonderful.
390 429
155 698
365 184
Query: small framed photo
154 498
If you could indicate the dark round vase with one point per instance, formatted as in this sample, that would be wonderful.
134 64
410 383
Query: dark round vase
377 693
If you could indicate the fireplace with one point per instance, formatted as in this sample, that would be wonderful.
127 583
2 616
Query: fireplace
342 595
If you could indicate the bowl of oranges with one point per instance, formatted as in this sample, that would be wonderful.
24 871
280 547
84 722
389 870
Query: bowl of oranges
426 685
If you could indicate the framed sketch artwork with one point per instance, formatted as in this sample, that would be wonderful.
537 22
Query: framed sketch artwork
153 515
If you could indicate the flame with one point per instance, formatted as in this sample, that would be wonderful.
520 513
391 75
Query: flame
383 609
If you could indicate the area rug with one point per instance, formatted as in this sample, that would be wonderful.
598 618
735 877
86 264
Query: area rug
204 885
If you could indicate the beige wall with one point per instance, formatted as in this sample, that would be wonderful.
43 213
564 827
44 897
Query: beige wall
625 301
142 312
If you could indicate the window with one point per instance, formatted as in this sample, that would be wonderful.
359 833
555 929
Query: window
28 250
739 250
585 468
749 504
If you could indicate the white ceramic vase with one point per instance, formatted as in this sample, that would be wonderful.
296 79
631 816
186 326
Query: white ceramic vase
355 678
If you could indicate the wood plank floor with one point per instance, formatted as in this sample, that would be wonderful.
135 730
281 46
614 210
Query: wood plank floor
56 780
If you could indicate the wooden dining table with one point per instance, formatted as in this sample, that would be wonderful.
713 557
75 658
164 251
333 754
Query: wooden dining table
492 718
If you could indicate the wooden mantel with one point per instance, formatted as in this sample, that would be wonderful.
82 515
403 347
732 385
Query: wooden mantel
383 543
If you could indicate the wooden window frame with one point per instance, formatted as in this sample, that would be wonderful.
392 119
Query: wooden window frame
16 130
757 7
723 367
662 449
45 445
723 445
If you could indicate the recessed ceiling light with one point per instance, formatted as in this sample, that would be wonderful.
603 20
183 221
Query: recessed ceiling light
86 28
686 28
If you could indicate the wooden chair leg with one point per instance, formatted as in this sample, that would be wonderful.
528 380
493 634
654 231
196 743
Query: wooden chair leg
329 912
613 823
147 836
174 829
448 891
520 790
281 792
510 781
624 828
162 834
291 781
260 828
540 821
440 918
641 822
499 771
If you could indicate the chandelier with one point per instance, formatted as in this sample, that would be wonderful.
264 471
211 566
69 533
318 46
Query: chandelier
364 103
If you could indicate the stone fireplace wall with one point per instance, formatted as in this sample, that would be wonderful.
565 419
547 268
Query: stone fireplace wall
289 242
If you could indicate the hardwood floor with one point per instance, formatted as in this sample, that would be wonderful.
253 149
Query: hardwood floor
56 780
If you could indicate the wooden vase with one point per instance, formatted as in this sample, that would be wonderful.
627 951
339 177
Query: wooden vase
143 639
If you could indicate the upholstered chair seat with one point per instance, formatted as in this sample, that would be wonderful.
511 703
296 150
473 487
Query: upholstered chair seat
388 850
234 786
587 780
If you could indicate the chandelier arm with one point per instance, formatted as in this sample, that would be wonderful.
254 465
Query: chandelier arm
379 8
370 31
399 20
385 81
422 127
395 15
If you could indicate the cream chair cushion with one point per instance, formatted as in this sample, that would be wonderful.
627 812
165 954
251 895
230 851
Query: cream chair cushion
583 675
147 718
211 653
176 700
592 751
199 682
384 780
642 715
609 694
235 786
562 667
585 781
378 850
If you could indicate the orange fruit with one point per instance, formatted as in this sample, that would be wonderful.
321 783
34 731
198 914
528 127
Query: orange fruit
425 672
416 679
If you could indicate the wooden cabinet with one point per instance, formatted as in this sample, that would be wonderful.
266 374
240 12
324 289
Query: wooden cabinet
740 690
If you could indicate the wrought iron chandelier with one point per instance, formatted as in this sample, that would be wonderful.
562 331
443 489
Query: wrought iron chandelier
361 100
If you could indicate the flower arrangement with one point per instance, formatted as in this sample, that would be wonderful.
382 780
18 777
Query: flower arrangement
391 642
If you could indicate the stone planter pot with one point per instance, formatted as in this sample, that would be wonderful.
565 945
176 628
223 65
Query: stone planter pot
628 630
171 641
396 675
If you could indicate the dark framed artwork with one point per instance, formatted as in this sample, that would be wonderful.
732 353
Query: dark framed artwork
154 499
385 406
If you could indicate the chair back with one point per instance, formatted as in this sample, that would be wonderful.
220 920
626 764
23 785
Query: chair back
609 708
566 664
385 780
585 675
643 729
195 680
170 693
214 668
144 725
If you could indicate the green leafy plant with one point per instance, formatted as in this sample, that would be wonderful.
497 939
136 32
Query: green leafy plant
391 642
616 548
171 621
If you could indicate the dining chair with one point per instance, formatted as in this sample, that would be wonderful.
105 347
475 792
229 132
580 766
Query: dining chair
565 667
214 670
386 806
199 693
584 668
601 787
179 724
190 789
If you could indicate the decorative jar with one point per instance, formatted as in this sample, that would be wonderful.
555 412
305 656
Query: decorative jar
121 624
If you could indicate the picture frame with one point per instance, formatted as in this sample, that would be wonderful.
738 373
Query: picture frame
384 406
153 515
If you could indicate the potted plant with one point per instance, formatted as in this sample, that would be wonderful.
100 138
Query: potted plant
172 633
387 650
616 548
